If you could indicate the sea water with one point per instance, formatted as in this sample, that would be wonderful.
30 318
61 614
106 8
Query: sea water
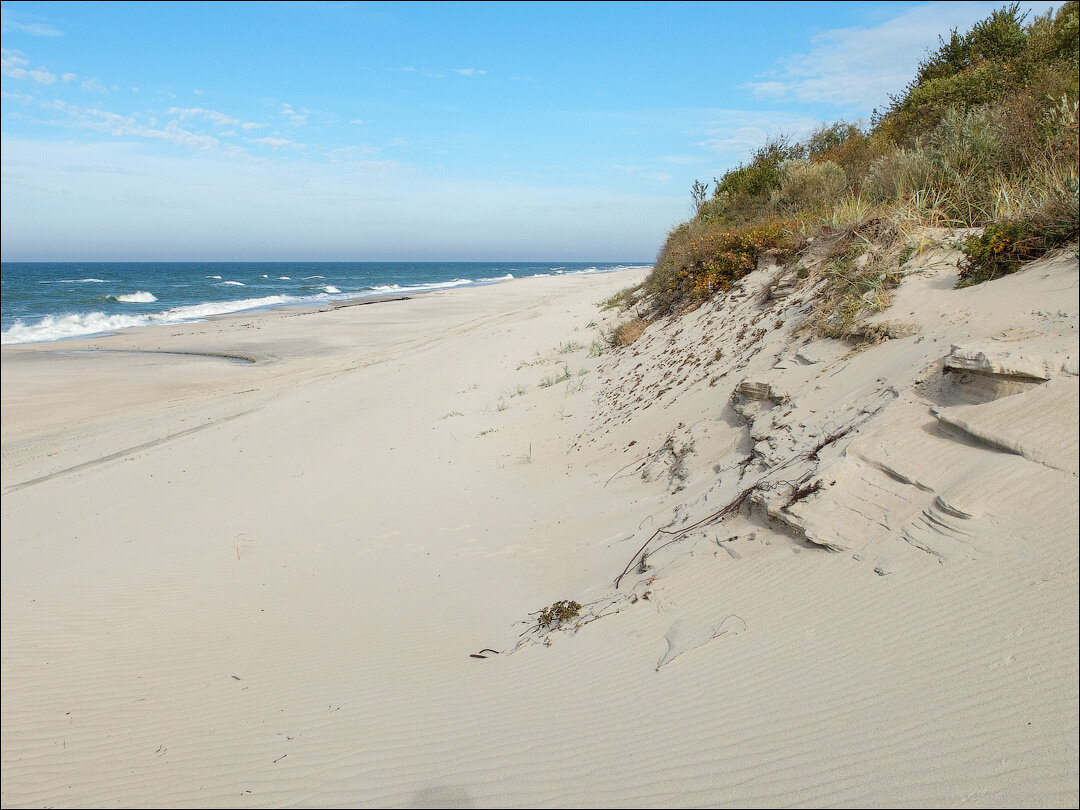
43 301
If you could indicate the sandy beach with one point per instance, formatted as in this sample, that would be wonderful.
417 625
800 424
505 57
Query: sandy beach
296 558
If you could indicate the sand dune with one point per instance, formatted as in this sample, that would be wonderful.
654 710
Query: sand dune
847 574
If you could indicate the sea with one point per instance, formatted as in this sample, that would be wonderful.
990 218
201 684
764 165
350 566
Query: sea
46 301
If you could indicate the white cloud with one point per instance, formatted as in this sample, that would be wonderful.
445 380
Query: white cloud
219 118
110 123
277 143
22 98
294 117
36 29
69 77
252 125
13 66
470 72
734 134
94 85
352 153
860 65
357 121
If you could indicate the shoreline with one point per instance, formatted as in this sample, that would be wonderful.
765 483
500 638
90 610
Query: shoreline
193 311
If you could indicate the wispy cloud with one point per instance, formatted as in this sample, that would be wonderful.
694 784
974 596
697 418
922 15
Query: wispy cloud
277 143
350 154
94 86
434 73
13 65
734 133
219 118
9 25
110 123
848 66
294 116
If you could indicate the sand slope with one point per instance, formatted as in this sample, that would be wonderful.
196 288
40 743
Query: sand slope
260 584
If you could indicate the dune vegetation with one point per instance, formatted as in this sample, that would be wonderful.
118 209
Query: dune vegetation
982 141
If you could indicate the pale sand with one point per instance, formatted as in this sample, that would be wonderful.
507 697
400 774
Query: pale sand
260 584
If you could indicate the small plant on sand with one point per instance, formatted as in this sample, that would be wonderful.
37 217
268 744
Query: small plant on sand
570 347
627 332
562 611
552 379
622 299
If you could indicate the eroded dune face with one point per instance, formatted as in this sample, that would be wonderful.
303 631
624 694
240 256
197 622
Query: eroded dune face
810 570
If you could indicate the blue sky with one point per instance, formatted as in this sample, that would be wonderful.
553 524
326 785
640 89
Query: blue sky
401 131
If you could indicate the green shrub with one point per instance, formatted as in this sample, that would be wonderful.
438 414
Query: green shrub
999 250
810 187
700 259
743 193
1004 246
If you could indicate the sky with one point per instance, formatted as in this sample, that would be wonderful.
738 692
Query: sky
415 131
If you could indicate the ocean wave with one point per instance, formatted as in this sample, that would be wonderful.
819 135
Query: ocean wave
231 283
284 278
330 288
308 278
216 277
58 327
140 297
75 281
507 277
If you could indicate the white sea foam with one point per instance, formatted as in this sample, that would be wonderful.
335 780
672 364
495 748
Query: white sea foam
330 288
308 278
284 278
507 277
57 327
264 276
140 297
217 277
75 281
231 283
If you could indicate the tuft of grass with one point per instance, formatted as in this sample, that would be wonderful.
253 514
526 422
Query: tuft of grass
552 379
860 276
628 331
623 299
570 346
